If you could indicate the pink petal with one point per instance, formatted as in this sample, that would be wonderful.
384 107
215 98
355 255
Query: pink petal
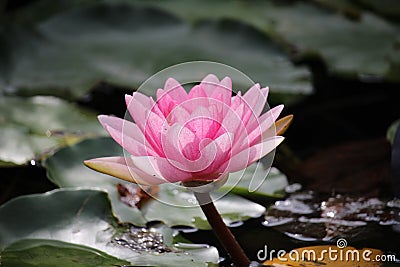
144 100
233 122
209 83
223 91
175 90
118 167
264 123
202 124
251 154
222 146
171 145
165 103
178 115
153 128
126 134
236 100
161 167
255 99
196 92
138 106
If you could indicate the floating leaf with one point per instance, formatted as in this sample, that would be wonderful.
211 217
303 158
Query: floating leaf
32 127
125 44
83 217
271 183
178 206
65 168
364 53
48 253
347 46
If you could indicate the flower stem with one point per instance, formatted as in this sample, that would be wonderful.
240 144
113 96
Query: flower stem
223 233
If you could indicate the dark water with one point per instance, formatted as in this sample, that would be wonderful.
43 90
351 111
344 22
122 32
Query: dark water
309 219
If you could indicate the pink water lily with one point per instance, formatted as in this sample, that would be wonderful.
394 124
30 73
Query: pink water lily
202 135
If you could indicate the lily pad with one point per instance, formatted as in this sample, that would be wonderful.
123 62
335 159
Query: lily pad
65 168
256 181
178 206
33 127
347 47
82 217
124 44
48 253
359 46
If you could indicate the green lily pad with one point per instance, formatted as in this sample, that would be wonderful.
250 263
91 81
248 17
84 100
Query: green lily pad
83 217
178 206
256 181
347 46
49 253
65 168
125 44
33 127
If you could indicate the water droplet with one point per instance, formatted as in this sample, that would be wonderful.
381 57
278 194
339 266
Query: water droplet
190 246
271 221
305 218
185 229
235 224
142 239
394 203
294 206
293 188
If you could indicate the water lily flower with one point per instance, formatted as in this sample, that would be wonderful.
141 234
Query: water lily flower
200 135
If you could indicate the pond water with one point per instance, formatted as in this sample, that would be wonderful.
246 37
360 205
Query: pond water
308 219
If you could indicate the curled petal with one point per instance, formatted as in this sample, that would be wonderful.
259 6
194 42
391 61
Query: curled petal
118 167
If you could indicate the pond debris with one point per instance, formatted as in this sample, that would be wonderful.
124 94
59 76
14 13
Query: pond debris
142 239
134 195
308 217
